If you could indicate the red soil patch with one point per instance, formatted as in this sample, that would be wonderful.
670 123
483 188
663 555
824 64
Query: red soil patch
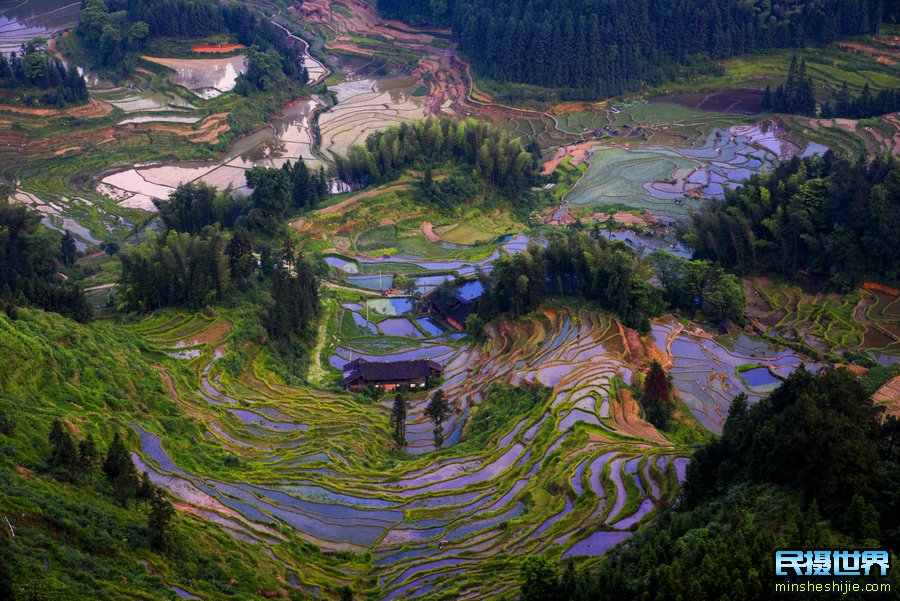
93 108
578 153
889 396
428 232
630 419
407 28
213 335
621 217
875 286
572 107
217 49
887 52
348 47
25 472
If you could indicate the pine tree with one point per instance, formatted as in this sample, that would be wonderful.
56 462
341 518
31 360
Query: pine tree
657 396
146 488
398 421
67 249
88 457
63 454
159 519
438 411
120 470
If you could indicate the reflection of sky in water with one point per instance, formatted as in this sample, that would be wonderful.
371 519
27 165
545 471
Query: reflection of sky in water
23 21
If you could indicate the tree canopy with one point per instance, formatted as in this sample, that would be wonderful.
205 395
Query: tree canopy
29 253
831 217
606 47
500 161
36 77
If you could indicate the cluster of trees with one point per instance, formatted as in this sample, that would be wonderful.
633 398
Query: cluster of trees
76 464
295 298
276 192
110 35
572 264
606 47
863 106
30 258
398 421
176 270
438 411
796 95
827 217
195 206
308 188
697 285
174 18
34 67
499 160
254 31
609 274
115 30
447 194
811 467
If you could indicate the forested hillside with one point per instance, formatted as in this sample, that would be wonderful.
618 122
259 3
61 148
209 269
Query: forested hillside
606 47
827 217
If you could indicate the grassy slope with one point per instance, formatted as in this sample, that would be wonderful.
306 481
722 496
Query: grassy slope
97 377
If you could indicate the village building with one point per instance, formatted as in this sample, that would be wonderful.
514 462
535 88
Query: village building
388 376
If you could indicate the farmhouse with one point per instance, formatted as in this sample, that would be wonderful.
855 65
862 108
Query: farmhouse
389 375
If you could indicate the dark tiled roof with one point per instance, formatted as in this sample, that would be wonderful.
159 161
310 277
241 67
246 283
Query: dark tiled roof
381 371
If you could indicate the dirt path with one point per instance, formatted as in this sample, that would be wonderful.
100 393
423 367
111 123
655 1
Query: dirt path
316 374
339 207
100 287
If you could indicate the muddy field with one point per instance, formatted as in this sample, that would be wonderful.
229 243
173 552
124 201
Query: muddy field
744 102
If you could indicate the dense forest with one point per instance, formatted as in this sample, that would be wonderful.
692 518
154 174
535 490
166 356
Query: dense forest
825 217
499 160
608 274
31 256
606 47
812 466
36 78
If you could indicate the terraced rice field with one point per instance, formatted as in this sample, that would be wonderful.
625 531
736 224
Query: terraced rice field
365 106
676 179
23 21
708 373
576 474
205 77
287 139
863 320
